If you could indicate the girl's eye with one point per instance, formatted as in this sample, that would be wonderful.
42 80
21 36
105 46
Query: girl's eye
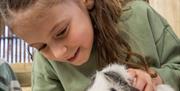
61 33
42 47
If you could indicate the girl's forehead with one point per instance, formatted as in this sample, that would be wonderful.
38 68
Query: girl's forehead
25 23
38 11
34 16
30 15
27 17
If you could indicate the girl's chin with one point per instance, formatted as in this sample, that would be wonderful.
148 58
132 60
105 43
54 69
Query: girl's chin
79 62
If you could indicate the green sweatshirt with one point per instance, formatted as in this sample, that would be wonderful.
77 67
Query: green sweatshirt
151 36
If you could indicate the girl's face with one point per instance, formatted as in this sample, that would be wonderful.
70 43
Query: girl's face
63 32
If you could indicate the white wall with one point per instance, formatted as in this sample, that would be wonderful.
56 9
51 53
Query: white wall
170 9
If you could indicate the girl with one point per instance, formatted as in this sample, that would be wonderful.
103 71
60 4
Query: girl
76 37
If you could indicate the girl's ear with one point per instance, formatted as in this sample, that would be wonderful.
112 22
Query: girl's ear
89 4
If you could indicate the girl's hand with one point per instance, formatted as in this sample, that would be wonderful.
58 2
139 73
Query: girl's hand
143 81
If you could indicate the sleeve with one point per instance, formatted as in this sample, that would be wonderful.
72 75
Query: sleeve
44 77
168 49
8 81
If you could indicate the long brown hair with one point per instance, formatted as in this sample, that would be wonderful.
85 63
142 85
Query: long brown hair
111 47
109 42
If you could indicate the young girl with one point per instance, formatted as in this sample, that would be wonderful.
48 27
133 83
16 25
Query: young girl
76 37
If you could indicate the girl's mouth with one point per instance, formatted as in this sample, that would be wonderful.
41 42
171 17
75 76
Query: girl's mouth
75 56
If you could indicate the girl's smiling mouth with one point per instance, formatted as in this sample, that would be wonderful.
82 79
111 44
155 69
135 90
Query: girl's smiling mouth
73 58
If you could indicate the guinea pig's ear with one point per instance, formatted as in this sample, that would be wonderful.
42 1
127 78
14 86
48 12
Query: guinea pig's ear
93 78
116 78
89 4
110 77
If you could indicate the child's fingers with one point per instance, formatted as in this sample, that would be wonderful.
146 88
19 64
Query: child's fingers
142 80
140 83
149 87
132 73
137 81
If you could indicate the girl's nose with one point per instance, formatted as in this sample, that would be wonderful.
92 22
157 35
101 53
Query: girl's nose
59 51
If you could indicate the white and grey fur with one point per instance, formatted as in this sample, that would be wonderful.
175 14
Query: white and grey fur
115 78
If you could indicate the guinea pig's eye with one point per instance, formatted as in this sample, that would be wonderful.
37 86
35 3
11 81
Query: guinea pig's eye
113 89
123 83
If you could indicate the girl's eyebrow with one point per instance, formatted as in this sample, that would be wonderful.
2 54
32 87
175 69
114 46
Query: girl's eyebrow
38 44
57 25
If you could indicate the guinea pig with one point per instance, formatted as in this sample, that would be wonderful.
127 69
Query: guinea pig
115 77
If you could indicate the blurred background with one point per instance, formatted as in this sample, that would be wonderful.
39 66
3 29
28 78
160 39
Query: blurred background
169 9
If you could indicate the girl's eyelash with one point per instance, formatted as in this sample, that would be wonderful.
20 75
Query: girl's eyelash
63 32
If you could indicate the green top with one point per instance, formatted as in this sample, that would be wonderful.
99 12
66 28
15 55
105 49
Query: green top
152 36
